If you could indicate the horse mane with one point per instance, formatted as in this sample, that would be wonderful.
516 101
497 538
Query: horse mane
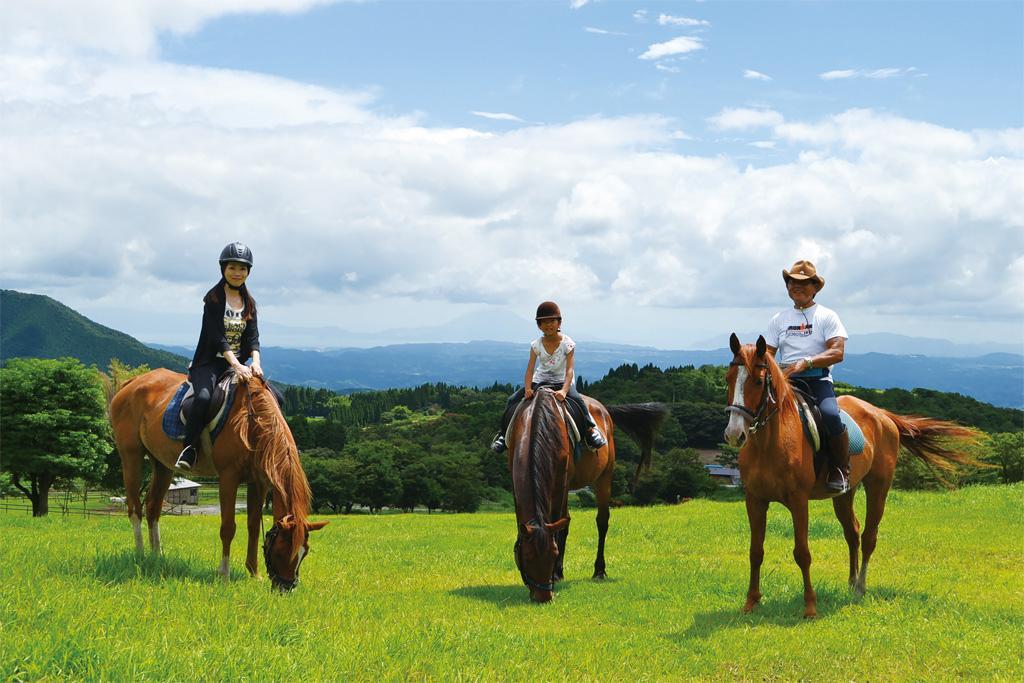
543 441
277 457
783 388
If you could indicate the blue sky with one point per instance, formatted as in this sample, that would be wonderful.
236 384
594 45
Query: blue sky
651 166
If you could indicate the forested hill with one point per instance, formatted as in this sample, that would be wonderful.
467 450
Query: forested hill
36 326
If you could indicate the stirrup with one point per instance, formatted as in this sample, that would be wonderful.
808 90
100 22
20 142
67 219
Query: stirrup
595 439
840 486
187 458
499 445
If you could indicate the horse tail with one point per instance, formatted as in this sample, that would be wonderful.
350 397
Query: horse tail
642 422
940 444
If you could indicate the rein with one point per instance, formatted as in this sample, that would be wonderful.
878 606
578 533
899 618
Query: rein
760 417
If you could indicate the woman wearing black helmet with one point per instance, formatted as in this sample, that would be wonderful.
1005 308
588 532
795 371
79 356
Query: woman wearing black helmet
229 337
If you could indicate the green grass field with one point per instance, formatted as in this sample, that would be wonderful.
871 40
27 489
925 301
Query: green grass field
438 597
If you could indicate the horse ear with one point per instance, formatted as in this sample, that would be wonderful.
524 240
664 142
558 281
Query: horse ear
734 343
316 526
528 530
559 525
287 522
762 346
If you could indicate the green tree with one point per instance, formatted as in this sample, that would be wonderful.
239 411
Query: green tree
54 424
117 374
378 483
332 479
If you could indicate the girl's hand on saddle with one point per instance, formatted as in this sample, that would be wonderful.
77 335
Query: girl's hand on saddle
528 393
244 373
256 369
560 395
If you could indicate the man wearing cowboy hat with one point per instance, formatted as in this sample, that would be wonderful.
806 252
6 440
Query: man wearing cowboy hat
807 340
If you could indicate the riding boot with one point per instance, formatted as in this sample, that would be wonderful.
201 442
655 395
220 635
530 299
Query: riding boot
839 460
187 457
592 434
499 445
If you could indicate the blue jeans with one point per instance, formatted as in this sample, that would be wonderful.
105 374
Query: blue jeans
824 393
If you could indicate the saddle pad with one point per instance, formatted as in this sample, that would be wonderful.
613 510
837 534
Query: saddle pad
174 421
854 430
811 429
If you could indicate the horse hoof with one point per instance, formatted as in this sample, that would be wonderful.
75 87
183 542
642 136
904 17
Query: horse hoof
811 613
600 576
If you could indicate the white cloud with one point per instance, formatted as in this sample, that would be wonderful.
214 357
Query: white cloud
763 144
877 74
603 32
640 16
676 46
669 69
742 119
497 116
576 4
756 75
131 176
121 27
669 20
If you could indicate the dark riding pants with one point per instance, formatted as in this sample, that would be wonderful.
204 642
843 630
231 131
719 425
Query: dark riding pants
824 393
577 407
203 379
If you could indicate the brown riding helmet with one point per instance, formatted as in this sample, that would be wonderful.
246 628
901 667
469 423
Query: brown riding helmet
804 270
548 309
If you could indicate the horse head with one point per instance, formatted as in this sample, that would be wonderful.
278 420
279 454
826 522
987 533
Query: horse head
750 389
536 553
284 548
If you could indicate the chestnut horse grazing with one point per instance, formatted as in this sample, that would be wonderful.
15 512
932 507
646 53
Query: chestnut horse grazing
543 472
777 462
255 446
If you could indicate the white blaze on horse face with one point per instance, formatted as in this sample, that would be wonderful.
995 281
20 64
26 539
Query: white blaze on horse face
737 423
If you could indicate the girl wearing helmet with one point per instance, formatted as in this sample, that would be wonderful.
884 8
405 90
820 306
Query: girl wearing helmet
229 337
551 364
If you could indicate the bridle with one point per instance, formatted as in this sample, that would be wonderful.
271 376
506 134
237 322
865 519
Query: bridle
268 545
518 550
767 407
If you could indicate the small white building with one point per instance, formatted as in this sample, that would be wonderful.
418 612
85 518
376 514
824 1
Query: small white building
727 476
183 492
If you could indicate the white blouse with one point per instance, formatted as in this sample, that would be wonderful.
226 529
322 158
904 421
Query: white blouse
550 367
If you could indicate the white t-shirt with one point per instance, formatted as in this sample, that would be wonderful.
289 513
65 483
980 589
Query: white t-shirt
800 333
550 367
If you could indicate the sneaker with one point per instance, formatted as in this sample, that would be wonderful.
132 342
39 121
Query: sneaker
595 439
186 458
498 445
838 481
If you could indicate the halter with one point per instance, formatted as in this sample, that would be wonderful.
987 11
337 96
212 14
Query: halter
760 417
518 550
277 579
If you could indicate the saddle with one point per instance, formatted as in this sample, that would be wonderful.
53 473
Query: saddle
175 416
575 439
814 429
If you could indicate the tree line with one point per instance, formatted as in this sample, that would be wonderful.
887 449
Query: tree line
426 447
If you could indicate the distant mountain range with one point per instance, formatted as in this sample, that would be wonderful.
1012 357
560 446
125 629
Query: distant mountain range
34 325
40 327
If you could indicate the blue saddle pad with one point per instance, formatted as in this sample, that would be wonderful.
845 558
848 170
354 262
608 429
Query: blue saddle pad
856 435
174 425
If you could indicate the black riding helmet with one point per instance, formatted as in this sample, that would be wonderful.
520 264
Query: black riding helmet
237 252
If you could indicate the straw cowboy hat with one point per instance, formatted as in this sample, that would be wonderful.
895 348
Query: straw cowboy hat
804 270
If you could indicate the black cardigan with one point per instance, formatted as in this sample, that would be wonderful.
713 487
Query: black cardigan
213 339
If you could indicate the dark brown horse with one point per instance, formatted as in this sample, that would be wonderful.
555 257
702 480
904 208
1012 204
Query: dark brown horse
543 472
777 462
255 446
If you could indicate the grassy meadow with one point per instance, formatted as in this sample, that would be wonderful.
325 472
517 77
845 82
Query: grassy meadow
438 597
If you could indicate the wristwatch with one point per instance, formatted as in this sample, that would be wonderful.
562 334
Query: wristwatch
810 363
